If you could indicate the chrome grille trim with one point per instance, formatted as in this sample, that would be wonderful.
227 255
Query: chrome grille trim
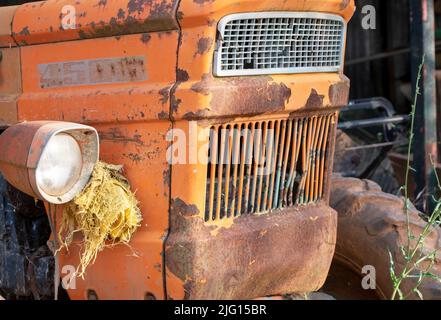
279 43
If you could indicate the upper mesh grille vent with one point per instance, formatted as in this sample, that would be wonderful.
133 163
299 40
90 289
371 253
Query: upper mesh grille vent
274 43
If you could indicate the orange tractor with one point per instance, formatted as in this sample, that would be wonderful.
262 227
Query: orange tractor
223 114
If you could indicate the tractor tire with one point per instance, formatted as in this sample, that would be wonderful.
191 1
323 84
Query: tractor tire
371 224
26 263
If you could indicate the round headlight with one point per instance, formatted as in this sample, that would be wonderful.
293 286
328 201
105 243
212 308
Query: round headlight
60 165
49 160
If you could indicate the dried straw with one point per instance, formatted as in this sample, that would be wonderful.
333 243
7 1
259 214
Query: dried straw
106 211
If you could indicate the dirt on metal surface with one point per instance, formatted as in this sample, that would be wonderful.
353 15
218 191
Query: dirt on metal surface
262 255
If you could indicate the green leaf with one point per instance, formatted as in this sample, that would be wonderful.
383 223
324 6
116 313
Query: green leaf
429 275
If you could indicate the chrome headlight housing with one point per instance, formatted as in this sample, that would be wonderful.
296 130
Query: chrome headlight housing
50 160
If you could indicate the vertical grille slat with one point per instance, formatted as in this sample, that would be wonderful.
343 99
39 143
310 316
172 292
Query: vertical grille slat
279 42
229 133
236 154
250 149
279 166
274 164
259 166
329 119
306 141
220 170
295 146
243 157
268 165
213 160
285 160
258 144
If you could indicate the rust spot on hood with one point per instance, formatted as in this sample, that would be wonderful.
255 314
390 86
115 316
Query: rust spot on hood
24 31
121 14
339 93
137 6
203 86
315 101
145 38
179 207
116 135
202 2
200 114
181 75
245 95
166 175
204 45
161 18
164 92
163 116
161 8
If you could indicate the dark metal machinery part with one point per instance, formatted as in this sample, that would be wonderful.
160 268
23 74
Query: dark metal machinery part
385 120
377 103
26 263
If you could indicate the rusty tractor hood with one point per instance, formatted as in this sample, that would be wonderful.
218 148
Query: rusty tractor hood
42 22
46 22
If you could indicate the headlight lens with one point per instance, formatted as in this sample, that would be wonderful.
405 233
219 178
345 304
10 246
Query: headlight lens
60 165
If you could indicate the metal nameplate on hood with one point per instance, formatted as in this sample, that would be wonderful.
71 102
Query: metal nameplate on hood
92 72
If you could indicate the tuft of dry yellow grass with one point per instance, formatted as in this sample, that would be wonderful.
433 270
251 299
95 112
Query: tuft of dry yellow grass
106 213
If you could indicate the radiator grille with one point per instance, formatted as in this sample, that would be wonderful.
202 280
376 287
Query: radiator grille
256 167
271 43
